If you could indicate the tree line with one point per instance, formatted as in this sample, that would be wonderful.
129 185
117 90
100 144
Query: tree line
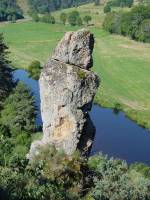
46 6
73 18
120 3
134 23
10 11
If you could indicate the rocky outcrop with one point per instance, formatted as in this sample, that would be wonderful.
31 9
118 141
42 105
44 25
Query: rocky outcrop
67 89
76 48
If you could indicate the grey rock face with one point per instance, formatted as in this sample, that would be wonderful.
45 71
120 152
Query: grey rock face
76 48
67 92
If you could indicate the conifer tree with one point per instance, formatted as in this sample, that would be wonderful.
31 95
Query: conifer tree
6 79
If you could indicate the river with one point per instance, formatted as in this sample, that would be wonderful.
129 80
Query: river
116 135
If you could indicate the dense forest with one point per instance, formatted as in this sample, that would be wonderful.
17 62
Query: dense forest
44 6
9 10
134 23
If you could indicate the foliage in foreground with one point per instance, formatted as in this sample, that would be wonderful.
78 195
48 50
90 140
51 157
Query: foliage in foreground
114 181
53 175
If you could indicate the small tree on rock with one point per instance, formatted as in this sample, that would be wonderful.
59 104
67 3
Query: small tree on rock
35 69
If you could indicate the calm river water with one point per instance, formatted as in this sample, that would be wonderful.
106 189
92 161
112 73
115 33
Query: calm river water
115 135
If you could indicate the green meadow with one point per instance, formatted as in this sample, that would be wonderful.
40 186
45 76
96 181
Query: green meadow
122 64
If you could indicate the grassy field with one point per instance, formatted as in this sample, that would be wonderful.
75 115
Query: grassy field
122 64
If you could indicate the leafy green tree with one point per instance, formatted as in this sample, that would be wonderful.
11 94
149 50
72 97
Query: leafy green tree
63 18
47 18
18 113
107 8
35 17
6 79
143 33
72 18
79 21
113 181
13 19
35 69
87 19
52 20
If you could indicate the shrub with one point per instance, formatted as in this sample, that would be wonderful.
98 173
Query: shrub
63 18
112 22
72 18
79 21
47 18
143 34
35 17
112 181
87 18
35 69
107 8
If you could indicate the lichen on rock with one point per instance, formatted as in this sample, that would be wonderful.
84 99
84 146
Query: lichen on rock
67 89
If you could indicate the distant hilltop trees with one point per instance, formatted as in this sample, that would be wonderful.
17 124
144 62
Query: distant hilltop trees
10 11
44 6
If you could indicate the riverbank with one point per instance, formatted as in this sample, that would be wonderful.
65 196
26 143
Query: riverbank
122 64
120 139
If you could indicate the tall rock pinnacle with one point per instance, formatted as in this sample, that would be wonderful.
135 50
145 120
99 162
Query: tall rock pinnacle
67 89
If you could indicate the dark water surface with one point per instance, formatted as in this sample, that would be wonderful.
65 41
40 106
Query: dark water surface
115 135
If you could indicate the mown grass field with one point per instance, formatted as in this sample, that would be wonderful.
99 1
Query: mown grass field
122 64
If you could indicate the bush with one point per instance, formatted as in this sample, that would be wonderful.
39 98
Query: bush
107 8
63 18
47 18
79 21
35 17
72 18
35 69
112 181
112 22
87 18
143 34
52 175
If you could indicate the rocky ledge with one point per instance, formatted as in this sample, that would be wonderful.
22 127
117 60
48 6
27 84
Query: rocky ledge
67 89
